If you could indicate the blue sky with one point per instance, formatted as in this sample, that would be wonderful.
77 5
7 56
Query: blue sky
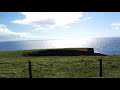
58 25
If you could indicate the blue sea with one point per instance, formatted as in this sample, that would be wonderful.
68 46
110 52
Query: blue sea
109 46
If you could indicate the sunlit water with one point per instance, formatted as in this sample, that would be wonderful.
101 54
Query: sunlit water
109 46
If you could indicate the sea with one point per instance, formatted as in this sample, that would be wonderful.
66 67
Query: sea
108 46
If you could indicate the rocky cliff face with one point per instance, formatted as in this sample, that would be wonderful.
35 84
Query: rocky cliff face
63 52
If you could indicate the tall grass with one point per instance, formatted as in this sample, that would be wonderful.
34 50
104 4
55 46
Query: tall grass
14 65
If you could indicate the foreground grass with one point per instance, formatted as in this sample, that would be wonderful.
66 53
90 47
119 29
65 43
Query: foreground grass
13 65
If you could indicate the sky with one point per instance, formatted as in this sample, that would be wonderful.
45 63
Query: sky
58 25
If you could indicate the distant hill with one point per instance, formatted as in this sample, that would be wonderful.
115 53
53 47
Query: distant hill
63 52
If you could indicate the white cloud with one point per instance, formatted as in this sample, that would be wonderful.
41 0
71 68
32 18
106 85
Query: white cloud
6 34
49 20
4 30
88 18
116 26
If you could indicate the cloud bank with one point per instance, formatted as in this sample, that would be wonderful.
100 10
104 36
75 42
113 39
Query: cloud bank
49 20
6 34
41 20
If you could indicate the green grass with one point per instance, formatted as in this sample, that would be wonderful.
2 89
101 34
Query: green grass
13 65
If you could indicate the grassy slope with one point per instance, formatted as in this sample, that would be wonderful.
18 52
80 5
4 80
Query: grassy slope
12 65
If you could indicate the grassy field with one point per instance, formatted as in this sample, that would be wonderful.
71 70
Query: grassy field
14 65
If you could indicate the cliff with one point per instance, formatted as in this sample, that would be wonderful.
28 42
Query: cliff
64 52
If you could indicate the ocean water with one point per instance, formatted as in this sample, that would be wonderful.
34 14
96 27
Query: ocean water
109 46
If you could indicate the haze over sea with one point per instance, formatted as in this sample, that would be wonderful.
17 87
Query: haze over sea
109 46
